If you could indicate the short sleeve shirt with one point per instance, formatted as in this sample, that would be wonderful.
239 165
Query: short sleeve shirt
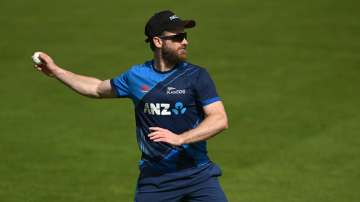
173 100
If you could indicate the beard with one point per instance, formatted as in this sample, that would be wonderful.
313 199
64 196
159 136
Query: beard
173 56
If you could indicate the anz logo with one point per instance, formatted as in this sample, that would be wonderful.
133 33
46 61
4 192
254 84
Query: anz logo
164 109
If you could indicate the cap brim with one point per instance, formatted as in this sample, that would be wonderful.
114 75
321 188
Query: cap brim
183 24
189 23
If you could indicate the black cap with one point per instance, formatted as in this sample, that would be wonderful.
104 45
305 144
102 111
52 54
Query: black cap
165 21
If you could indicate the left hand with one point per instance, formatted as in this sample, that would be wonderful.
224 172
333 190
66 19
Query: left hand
164 135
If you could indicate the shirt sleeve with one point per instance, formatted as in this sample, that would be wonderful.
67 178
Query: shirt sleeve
121 84
205 89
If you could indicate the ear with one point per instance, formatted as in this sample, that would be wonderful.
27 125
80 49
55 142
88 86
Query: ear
157 42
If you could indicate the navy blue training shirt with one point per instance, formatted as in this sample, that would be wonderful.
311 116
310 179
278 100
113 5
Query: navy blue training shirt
173 100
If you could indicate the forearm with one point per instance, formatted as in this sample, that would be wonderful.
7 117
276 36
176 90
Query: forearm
84 85
209 127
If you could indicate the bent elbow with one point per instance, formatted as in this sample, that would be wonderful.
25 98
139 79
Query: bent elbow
97 93
225 124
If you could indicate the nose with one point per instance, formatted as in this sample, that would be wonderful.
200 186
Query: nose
185 42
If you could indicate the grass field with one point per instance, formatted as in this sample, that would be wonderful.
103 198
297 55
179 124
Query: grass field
288 72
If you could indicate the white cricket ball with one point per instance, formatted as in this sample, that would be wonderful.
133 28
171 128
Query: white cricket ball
36 58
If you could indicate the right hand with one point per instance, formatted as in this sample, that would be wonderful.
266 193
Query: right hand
47 66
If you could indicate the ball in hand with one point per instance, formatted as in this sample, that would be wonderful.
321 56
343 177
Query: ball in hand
36 59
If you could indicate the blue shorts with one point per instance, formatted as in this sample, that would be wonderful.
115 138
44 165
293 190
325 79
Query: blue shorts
196 184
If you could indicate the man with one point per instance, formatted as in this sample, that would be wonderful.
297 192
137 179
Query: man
176 108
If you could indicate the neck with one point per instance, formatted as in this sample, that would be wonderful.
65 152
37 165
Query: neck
162 64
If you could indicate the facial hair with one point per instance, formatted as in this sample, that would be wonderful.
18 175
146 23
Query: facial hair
173 56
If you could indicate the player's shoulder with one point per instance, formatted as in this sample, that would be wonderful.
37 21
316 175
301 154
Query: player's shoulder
195 69
143 68
140 67
193 66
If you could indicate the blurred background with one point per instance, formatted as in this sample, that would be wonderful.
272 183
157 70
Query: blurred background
288 72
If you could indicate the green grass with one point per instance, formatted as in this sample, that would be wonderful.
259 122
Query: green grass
288 73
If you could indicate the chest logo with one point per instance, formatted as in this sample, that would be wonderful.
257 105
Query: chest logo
174 91
157 109
145 88
179 108
163 109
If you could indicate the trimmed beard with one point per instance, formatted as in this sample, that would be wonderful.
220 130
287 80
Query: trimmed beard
172 56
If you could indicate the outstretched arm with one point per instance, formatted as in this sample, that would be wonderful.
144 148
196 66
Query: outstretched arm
84 85
214 122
